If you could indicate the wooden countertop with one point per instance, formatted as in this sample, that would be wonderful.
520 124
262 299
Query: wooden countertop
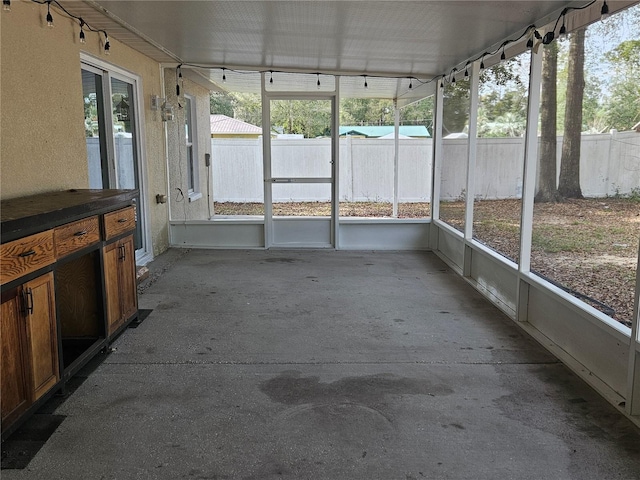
24 216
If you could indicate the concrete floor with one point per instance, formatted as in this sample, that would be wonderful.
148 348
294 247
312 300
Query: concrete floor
329 365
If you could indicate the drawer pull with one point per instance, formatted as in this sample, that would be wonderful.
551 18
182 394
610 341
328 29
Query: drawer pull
122 220
81 233
27 254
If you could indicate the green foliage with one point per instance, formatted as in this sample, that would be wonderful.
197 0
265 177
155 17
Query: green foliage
311 118
623 108
502 110
222 104
419 113
366 111
243 106
455 114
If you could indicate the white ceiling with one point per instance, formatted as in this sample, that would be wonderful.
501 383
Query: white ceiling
420 39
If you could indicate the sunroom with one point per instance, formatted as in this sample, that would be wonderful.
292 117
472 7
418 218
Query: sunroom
561 261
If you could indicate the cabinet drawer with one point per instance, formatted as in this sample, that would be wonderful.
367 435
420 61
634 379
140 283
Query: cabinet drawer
26 255
74 236
119 222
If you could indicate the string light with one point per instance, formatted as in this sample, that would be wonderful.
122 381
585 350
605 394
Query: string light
49 16
563 28
178 77
546 39
83 25
6 5
604 12
82 37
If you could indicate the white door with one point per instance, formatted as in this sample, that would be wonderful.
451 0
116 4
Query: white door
112 132
300 173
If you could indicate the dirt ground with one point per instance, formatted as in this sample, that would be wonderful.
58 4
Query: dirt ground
589 247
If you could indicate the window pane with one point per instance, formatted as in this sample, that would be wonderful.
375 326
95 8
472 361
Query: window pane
586 225
502 114
415 160
124 133
94 129
367 157
236 154
190 173
455 146
187 120
301 199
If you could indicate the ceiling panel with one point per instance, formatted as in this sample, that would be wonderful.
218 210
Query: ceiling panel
419 39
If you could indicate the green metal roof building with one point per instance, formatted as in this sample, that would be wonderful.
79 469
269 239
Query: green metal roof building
418 131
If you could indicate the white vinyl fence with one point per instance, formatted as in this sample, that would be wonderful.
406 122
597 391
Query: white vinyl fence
125 162
610 166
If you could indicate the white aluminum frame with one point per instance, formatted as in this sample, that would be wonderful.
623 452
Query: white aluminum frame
599 349
269 180
145 254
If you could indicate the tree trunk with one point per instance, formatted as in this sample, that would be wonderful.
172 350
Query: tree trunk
569 185
547 191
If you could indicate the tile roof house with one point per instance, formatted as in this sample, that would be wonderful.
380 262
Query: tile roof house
227 127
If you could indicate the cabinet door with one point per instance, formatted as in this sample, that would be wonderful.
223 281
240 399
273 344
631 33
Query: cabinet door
42 334
14 391
111 254
128 284
120 282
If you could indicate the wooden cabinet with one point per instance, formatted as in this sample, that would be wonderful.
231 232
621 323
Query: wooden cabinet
68 283
120 282
29 345
14 395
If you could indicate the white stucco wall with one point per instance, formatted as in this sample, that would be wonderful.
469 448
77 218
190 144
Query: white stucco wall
42 140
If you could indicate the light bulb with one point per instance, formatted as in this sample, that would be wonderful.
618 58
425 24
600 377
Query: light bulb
224 76
366 85
604 12
271 78
318 82
107 45
410 83
82 37
563 29
6 5
466 73
49 16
